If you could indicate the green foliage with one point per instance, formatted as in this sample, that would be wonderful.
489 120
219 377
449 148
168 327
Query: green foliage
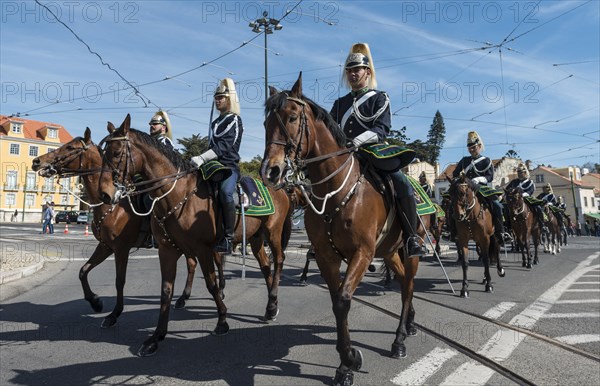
193 146
436 138
252 168
398 137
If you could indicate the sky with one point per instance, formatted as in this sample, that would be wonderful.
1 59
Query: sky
524 74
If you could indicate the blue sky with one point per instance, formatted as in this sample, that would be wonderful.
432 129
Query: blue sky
538 93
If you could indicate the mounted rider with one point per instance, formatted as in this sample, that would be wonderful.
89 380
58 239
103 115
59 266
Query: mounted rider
427 188
556 204
160 128
479 169
364 115
527 186
225 138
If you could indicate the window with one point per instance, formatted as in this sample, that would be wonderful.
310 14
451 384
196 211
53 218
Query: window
64 199
30 199
48 198
10 199
592 199
33 151
14 148
11 179
51 149
52 133
16 128
585 202
48 185
30 182
578 174
539 178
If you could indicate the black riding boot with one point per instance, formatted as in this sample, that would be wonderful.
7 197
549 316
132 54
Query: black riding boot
226 244
499 232
539 214
408 215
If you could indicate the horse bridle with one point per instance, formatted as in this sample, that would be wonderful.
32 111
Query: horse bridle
466 205
120 187
58 162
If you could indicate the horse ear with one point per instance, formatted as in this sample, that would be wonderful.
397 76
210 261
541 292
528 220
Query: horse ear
272 91
297 89
87 136
110 127
126 124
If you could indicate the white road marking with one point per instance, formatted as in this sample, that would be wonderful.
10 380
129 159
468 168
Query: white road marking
587 282
418 372
578 301
578 339
499 310
504 342
559 315
584 290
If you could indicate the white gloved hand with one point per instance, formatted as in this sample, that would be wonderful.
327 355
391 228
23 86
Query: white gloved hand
197 161
365 138
480 180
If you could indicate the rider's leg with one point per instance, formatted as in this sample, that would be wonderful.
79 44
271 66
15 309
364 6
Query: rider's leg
496 208
407 210
539 214
226 192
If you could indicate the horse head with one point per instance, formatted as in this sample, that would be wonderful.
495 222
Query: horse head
463 193
514 199
69 158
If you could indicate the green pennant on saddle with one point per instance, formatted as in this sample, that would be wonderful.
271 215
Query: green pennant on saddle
214 171
533 201
439 212
487 191
424 204
555 209
386 157
261 202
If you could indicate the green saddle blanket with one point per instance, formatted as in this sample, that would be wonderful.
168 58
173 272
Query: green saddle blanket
261 201
554 209
487 191
533 201
439 212
424 204
214 171
386 157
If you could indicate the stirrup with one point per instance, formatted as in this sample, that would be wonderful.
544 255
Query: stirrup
224 246
414 250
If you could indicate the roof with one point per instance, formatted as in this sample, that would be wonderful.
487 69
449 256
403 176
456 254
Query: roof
31 128
576 183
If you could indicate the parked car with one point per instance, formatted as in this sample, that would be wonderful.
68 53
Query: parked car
83 218
66 216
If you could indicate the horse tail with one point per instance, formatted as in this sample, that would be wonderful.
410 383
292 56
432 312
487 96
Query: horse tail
286 233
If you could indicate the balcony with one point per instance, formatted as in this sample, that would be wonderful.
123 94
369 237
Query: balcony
65 189
11 187
31 188
48 189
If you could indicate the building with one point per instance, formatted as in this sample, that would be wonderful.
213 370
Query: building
577 193
21 189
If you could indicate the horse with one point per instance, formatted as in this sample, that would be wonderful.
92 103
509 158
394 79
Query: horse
524 225
185 220
553 236
347 211
474 221
116 227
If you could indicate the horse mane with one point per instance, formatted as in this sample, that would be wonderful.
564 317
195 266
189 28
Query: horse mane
463 179
171 154
279 100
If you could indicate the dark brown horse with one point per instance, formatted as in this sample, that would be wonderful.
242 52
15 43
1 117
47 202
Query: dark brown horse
524 225
347 211
184 218
553 237
474 222
115 227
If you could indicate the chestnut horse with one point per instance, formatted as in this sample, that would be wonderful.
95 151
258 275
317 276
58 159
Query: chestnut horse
524 225
347 211
115 227
553 237
473 222
185 220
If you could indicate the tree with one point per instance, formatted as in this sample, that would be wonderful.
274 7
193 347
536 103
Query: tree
193 146
591 166
398 137
421 148
435 138
252 168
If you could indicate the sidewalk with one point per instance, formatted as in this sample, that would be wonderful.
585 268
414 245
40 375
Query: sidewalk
19 266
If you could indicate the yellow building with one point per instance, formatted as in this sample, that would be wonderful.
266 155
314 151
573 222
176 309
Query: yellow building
21 189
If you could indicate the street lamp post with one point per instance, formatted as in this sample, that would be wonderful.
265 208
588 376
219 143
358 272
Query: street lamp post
265 25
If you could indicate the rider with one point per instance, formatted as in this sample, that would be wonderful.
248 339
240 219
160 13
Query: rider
548 197
224 144
160 128
480 170
364 115
527 186
425 185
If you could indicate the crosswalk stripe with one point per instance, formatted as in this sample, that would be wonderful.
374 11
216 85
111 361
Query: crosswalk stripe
420 371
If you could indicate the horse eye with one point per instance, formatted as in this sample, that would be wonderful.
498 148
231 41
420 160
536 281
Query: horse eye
293 118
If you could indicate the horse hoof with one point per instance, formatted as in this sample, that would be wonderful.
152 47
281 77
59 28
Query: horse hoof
148 350
529 265
398 350
464 294
96 304
221 329
343 378
303 282
501 272
179 304
270 316
523 264
489 289
411 330
108 322
358 359
535 262
222 295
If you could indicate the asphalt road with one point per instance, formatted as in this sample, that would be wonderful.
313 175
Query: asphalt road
50 335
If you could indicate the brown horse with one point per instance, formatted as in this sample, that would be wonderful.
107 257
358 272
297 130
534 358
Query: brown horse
474 221
184 218
115 227
553 237
524 225
347 211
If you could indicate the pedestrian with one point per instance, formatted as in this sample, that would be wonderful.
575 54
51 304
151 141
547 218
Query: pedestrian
365 116
45 217
225 138
596 228
578 228
51 215
14 219
586 226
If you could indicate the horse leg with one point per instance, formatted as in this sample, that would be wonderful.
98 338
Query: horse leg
265 267
464 260
121 259
100 254
168 269
536 242
207 264
218 259
187 291
341 296
485 257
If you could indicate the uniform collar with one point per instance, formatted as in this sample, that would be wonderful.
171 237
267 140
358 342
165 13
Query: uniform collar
359 92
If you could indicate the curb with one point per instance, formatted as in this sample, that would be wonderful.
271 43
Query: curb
20 273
